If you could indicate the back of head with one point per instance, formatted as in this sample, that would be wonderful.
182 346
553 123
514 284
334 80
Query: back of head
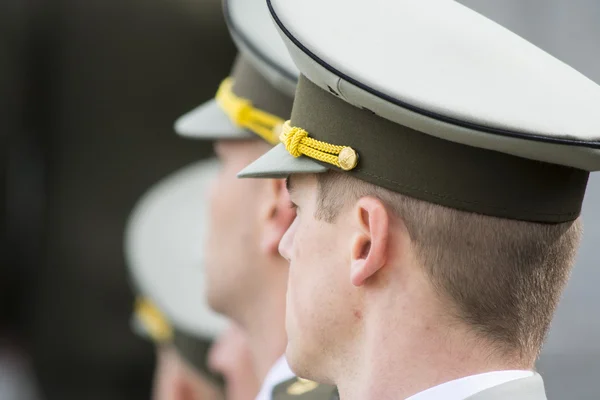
570 358
503 277
164 246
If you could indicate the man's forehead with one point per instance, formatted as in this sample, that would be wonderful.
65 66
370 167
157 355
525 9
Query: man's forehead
237 143
242 151
288 184
296 181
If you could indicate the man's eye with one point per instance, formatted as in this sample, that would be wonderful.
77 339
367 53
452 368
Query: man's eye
293 205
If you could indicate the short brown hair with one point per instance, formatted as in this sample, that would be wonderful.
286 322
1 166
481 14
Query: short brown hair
504 277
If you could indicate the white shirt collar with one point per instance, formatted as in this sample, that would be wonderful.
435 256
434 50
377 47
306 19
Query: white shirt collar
462 388
279 372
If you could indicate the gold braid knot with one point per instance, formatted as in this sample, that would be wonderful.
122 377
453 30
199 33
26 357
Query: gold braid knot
297 143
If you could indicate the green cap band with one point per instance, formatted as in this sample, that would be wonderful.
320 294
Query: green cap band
439 171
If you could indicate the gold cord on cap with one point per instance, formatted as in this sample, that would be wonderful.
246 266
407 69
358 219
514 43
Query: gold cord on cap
298 143
244 114
153 320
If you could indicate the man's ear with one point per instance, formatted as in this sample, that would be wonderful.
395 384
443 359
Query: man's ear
277 215
369 251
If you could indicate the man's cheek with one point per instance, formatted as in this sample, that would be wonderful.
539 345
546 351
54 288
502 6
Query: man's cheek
299 244
292 304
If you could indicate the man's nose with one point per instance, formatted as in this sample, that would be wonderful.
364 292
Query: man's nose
285 245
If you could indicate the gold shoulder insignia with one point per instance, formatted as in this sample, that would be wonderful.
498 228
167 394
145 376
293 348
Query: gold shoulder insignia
301 386
303 389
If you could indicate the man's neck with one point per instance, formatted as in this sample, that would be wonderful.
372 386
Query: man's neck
402 359
264 323
267 345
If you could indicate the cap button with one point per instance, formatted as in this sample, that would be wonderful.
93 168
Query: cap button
348 158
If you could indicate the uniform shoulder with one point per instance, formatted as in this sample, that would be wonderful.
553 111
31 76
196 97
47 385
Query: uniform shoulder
303 389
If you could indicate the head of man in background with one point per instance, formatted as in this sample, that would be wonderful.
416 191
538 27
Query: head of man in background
246 275
437 209
165 243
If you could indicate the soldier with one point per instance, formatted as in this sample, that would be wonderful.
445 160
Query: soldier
438 163
164 247
246 276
